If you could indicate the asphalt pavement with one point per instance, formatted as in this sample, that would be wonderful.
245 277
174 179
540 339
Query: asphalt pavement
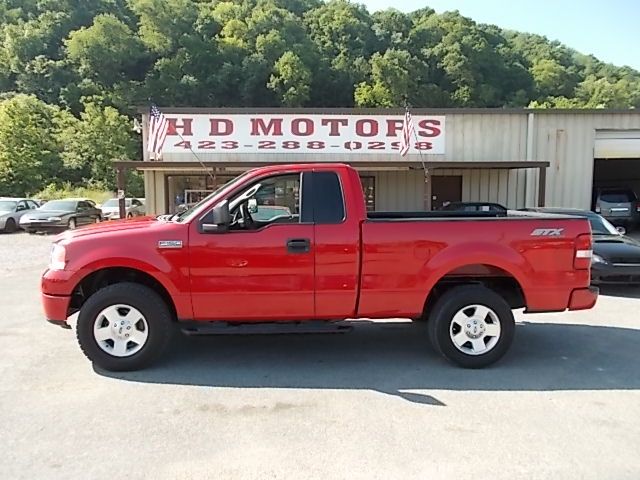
374 403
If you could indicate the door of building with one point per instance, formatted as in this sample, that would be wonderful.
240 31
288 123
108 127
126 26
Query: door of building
445 189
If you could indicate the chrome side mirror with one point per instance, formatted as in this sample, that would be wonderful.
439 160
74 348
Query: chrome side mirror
621 230
252 205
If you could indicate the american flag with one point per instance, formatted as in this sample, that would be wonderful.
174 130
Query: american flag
407 133
158 127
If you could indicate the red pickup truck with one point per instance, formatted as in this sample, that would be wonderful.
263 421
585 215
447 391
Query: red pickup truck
292 248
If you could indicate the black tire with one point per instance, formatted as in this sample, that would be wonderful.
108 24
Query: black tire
10 226
455 300
152 307
129 215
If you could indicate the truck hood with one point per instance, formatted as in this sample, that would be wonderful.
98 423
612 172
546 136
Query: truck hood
138 223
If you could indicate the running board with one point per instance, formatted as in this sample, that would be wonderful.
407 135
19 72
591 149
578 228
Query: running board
273 328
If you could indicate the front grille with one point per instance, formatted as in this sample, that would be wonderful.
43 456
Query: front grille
624 261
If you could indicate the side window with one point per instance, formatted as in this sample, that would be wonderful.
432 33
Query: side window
22 206
328 200
269 200
83 206
136 203
32 205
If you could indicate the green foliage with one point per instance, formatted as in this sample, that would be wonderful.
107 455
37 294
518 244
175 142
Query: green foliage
29 149
67 190
71 71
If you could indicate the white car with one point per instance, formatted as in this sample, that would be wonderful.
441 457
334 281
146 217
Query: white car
11 210
111 208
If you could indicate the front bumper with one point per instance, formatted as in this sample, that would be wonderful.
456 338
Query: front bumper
31 225
56 308
615 274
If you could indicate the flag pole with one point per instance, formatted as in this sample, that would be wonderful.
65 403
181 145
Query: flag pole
426 201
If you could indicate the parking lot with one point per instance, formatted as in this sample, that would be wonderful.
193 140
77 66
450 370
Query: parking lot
375 403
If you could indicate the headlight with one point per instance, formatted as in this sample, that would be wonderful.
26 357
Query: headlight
54 219
597 259
58 257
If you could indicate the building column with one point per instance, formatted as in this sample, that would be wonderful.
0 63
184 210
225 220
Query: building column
542 186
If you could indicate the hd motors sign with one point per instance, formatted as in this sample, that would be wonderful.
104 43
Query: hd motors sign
282 134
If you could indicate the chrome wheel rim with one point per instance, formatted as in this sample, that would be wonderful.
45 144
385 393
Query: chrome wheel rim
120 330
475 329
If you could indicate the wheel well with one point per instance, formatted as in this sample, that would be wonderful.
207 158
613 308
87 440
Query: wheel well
108 276
494 278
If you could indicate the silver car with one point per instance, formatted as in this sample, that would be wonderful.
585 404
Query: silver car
11 209
111 208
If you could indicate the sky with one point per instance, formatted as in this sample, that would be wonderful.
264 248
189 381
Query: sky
610 30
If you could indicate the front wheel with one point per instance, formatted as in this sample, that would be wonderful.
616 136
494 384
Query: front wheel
125 326
471 326
10 226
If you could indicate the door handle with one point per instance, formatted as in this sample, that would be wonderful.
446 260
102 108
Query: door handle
298 245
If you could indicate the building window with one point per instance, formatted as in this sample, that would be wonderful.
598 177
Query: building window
369 189
190 189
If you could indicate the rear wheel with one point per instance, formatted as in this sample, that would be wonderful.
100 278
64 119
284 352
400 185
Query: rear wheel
471 326
10 226
125 326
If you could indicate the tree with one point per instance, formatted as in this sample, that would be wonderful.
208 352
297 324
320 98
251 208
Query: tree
94 141
290 80
29 148
107 51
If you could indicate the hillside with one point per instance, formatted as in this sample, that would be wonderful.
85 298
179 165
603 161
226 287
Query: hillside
87 62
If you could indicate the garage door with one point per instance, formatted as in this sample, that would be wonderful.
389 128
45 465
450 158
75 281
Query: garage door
617 144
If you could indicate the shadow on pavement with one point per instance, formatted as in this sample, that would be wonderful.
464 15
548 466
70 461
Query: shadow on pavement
627 291
393 358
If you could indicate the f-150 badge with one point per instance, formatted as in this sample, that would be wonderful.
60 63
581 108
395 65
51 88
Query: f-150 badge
170 244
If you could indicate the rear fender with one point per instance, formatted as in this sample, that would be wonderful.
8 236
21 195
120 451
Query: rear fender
465 254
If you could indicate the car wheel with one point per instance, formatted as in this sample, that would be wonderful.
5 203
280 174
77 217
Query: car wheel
125 326
10 226
129 215
471 326
72 224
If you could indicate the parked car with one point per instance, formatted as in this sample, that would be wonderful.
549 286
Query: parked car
111 208
60 215
616 257
619 206
474 207
11 210
216 269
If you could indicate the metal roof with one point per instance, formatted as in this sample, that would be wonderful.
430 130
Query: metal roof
387 111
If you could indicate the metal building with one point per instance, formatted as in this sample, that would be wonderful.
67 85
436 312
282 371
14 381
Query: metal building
514 157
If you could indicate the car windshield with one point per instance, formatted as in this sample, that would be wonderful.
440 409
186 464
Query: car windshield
617 197
65 205
184 216
600 226
7 206
113 202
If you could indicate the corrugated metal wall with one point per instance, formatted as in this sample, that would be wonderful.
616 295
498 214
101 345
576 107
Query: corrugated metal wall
404 190
567 140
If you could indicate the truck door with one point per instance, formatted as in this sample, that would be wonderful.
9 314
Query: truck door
337 242
261 269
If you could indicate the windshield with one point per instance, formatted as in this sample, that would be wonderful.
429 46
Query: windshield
186 215
7 206
113 202
600 226
66 205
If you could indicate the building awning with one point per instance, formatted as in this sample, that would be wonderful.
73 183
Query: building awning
400 165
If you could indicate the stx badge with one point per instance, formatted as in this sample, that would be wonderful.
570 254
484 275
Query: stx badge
547 232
